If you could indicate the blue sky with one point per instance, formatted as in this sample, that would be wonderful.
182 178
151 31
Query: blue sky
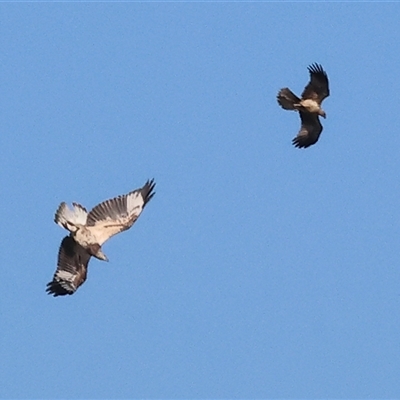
258 269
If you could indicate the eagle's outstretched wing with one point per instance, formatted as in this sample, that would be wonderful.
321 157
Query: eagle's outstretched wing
310 130
318 87
119 214
71 270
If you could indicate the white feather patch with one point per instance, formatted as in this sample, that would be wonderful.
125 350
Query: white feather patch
65 276
134 203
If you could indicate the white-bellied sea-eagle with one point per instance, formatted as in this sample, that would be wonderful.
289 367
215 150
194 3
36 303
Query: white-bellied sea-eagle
88 232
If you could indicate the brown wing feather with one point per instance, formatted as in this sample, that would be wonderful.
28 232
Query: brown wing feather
148 191
310 130
118 214
318 87
71 270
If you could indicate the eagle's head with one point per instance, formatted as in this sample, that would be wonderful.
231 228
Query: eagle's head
95 250
101 256
322 113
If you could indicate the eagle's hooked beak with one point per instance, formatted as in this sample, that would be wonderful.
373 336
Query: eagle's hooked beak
323 114
101 256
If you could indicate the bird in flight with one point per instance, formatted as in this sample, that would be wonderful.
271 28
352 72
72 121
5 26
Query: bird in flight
309 106
88 232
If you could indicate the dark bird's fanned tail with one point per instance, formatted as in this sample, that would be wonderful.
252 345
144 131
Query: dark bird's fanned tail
287 99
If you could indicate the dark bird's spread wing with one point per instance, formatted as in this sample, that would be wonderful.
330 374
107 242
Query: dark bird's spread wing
71 270
318 87
310 130
119 214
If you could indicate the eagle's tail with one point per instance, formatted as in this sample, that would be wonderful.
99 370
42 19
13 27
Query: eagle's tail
288 100
69 219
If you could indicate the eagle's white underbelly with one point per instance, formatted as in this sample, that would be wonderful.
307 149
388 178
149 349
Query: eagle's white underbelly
85 237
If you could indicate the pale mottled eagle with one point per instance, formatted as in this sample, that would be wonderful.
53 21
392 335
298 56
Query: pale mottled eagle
88 232
309 106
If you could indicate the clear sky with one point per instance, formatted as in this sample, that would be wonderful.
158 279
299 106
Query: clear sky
258 269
